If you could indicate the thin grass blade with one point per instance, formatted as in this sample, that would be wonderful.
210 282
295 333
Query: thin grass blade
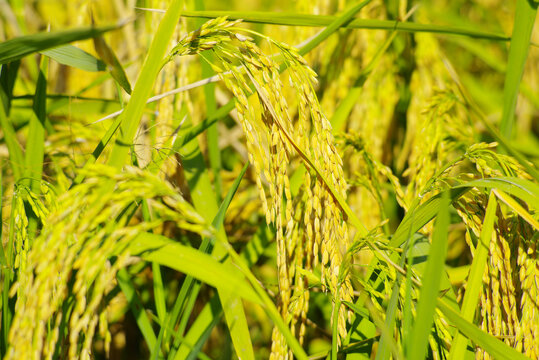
426 306
291 19
189 288
212 312
17 48
524 20
5 273
381 326
158 288
130 118
475 279
35 148
206 320
415 219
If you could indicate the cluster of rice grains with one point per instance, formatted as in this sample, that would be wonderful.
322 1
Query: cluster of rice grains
310 229
23 235
511 279
72 265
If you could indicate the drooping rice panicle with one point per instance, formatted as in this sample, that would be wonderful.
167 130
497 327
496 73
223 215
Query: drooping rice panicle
268 125
78 254
510 278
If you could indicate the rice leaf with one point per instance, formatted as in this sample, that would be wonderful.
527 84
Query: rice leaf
130 118
114 67
17 48
152 247
135 107
426 306
524 20
291 19
269 306
475 279
380 325
159 292
8 76
526 190
5 274
35 148
192 289
386 340
516 207
415 219
73 56
3 260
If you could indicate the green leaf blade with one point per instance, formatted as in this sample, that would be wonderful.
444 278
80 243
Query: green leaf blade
418 340
17 48
475 279
77 58
524 20
187 260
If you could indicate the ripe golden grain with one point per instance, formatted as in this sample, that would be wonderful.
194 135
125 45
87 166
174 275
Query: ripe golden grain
271 136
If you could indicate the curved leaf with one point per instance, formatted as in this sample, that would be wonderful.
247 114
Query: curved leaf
292 19
524 20
152 247
73 56
524 189
22 46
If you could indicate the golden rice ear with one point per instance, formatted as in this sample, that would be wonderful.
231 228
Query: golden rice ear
510 266
320 235
73 256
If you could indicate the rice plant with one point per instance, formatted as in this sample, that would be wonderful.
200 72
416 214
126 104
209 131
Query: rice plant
310 180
